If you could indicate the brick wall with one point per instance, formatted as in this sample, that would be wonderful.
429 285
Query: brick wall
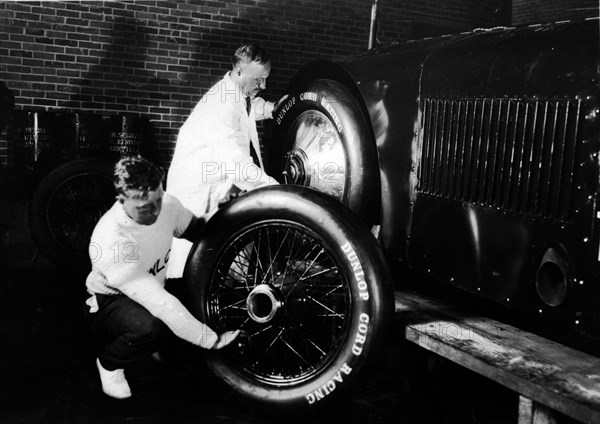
156 58
541 11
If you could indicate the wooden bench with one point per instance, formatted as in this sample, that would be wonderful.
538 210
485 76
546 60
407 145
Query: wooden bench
548 376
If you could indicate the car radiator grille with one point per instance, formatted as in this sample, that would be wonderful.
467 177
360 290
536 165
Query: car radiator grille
512 154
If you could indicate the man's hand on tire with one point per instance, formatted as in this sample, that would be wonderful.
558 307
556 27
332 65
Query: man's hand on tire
225 339
231 194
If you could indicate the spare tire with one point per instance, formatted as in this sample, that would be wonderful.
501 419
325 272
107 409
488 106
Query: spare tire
65 207
321 139
307 283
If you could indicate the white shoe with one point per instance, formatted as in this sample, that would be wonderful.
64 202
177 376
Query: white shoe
114 383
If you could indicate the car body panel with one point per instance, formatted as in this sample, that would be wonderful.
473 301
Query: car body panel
488 154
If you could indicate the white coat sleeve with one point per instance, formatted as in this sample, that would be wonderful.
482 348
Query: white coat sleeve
262 109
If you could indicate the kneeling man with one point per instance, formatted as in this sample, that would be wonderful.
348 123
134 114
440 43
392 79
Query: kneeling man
130 311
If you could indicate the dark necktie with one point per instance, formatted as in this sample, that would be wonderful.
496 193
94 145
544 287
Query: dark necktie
248 105
252 151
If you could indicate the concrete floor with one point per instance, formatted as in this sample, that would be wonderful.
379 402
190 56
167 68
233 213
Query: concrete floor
47 375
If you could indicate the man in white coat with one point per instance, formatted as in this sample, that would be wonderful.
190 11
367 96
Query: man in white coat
218 147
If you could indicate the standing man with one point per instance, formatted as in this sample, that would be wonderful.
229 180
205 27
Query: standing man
218 145
130 312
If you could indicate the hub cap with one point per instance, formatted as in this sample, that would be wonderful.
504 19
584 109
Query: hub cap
317 158
263 303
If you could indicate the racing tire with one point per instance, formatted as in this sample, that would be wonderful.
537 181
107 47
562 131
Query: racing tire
307 284
65 207
322 139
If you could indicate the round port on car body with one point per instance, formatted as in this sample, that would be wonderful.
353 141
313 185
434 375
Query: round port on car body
552 278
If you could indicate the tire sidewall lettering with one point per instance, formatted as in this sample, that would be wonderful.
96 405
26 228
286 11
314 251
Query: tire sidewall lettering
314 98
361 334
337 378
325 104
357 270
284 109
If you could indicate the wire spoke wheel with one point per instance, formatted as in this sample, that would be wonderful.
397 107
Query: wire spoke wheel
75 208
325 142
305 281
281 284
65 207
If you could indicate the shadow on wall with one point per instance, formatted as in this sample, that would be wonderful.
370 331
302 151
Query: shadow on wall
120 85
121 74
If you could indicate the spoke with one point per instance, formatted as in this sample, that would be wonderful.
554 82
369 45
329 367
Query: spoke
305 271
316 326
312 263
226 278
66 206
318 273
242 252
68 192
231 271
336 288
234 288
315 346
272 262
258 264
299 261
325 307
295 351
234 305
259 244
84 189
239 270
287 262
270 346
269 256
71 193
261 331
244 323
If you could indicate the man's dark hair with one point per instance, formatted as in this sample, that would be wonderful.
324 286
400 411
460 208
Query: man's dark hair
250 52
137 173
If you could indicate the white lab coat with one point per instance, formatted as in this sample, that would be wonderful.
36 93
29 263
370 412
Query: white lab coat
212 153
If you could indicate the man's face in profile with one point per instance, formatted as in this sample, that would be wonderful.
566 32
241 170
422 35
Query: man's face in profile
253 77
143 208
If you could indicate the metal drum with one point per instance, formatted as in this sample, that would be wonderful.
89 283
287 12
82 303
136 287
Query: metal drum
34 141
91 134
128 134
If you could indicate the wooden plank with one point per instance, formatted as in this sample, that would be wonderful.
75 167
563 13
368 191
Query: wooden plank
531 412
539 369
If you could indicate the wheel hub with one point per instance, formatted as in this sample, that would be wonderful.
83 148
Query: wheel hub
264 303
297 167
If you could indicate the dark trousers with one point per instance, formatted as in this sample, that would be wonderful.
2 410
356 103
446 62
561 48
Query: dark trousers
126 331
